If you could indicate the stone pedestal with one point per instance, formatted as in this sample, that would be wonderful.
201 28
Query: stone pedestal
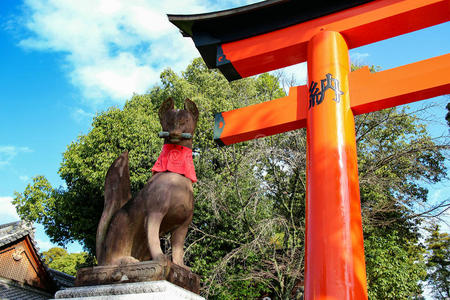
139 272
143 280
153 290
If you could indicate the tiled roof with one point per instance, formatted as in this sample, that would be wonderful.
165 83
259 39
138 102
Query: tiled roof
11 232
62 279
11 290
14 231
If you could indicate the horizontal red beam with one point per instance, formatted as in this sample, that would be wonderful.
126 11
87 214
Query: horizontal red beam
368 92
361 25
263 119
421 80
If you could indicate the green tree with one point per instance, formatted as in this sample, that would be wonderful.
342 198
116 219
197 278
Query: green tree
247 235
53 254
37 201
438 262
59 259
394 267
254 238
395 154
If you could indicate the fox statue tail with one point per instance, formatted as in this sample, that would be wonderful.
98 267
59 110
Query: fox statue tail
117 193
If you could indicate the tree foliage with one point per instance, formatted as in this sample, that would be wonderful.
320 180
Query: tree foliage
438 262
59 259
394 267
247 236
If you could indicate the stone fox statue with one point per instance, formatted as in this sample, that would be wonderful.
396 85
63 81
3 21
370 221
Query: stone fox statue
129 229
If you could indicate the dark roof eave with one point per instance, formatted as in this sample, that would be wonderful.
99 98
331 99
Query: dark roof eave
185 22
210 30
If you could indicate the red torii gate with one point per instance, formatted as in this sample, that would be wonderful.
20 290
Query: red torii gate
277 33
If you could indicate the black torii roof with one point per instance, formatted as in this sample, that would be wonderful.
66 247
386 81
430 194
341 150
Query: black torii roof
210 30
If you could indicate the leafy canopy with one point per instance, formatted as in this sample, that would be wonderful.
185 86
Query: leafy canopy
438 262
247 236
59 259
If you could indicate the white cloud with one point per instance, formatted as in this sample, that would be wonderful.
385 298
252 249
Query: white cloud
294 75
298 72
7 153
44 245
80 115
117 77
7 209
358 58
113 48
24 178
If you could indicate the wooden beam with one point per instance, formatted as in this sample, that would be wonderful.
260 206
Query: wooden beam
263 119
417 81
361 25
368 92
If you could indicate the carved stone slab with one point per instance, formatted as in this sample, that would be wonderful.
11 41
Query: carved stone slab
139 272
154 290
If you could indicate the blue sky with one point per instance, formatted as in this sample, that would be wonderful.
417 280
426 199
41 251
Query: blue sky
63 61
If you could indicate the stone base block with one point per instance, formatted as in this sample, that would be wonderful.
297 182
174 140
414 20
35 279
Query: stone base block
154 290
139 272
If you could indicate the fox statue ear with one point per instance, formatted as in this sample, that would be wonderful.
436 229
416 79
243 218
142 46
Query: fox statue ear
192 108
165 107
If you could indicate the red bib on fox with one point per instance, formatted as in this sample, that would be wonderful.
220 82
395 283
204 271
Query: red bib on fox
177 159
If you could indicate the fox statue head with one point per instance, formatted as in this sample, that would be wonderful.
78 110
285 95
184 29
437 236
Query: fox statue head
178 125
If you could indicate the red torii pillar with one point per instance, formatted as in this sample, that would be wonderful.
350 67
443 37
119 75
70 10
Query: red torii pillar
332 195
335 267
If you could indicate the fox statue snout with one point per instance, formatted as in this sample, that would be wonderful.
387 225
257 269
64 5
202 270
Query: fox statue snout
129 229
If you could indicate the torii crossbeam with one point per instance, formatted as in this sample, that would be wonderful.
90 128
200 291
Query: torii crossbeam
277 33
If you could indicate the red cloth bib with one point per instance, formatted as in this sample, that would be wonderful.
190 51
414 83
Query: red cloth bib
177 159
